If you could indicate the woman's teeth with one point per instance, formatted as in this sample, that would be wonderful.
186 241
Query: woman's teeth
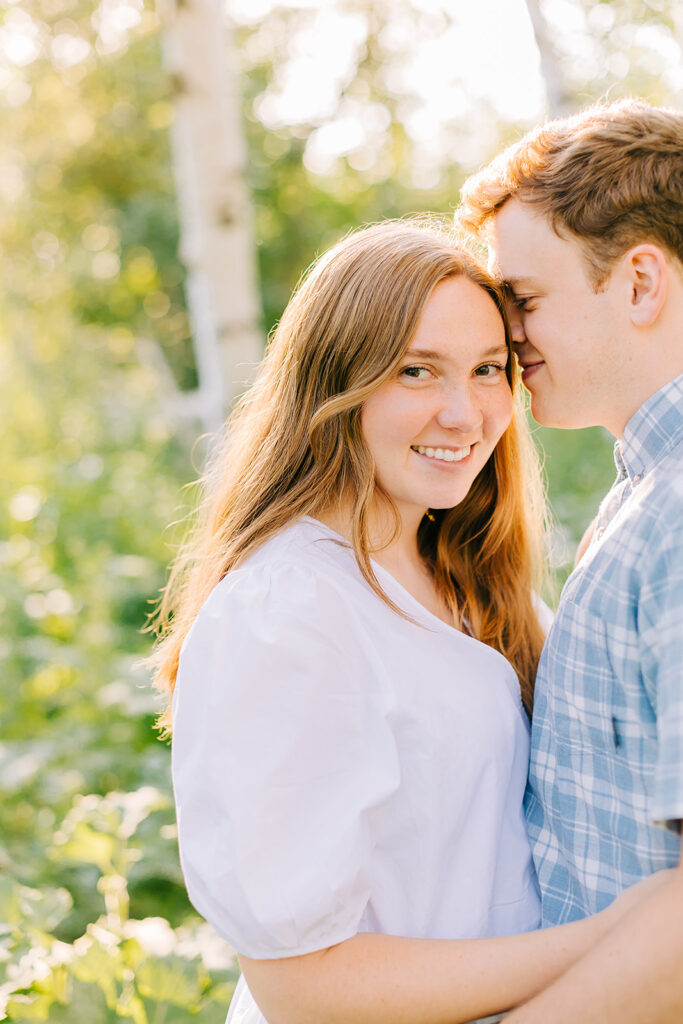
444 454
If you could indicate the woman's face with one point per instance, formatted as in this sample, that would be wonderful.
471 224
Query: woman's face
432 427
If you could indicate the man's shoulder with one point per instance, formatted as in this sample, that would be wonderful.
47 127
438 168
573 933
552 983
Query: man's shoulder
669 469
659 498
628 545
653 506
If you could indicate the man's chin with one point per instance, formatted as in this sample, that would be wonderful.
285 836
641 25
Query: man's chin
549 414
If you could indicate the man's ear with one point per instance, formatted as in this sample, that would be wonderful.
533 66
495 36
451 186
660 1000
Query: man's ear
648 275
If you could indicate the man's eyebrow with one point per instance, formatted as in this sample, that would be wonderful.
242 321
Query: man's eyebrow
517 282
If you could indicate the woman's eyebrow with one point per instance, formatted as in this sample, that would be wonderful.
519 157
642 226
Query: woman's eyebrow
427 353
424 353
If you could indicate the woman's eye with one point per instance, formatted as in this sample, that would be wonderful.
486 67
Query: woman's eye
489 370
524 304
415 372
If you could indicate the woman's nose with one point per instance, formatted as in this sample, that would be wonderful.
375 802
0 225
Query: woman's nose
460 410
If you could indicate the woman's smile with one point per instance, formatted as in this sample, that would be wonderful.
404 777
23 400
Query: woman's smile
443 455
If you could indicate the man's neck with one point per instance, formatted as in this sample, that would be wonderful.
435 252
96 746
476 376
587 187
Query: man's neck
649 387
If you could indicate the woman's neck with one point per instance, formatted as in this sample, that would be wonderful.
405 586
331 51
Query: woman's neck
386 544
399 555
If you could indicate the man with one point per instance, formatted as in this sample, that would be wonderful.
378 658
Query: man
584 219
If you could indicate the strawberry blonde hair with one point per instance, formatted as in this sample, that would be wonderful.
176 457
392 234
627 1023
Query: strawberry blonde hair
294 445
611 177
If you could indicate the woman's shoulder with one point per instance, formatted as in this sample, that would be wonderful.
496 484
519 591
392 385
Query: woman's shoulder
281 612
303 543
301 569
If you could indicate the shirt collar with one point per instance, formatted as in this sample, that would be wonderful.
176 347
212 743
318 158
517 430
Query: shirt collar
652 432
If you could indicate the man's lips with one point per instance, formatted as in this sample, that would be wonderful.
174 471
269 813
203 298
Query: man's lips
530 368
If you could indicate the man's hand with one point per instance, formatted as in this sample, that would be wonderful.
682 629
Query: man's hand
635 895
634 975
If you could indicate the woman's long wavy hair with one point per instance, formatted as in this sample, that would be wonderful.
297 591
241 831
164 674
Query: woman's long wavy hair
294 446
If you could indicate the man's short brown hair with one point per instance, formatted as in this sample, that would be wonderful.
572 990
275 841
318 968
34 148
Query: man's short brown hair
610 176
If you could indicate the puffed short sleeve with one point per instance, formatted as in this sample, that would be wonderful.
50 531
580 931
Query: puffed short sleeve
281 754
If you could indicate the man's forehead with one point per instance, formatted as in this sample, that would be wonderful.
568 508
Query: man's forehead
514 251
507 271
508 274
517 227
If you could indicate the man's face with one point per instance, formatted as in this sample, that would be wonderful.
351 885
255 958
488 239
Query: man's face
567 337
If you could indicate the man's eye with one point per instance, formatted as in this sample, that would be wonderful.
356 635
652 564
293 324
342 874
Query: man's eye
524 303
415 372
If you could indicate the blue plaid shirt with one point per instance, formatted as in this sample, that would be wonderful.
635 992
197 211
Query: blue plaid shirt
607 738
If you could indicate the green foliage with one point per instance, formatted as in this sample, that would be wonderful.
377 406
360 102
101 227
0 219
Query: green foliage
89 220
579 468
93 913
298 213
120 968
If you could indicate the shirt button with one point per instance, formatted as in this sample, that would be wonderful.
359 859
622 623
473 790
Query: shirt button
637 478
600 532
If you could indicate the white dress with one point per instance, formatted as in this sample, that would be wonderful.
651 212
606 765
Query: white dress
340 769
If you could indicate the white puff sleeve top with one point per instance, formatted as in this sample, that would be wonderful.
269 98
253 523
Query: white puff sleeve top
338 768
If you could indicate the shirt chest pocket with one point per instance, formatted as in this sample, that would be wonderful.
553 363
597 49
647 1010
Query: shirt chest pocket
604 706
585 707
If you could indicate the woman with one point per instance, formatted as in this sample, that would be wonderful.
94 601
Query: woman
356 619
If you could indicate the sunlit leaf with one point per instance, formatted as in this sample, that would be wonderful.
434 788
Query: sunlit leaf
83 843
39 909
173 980
28 1008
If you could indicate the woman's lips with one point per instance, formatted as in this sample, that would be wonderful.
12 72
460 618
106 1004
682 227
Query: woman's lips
463 455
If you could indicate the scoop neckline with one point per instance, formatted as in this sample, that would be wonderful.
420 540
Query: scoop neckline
421 609
511 677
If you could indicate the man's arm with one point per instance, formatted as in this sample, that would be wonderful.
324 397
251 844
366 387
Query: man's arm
632 976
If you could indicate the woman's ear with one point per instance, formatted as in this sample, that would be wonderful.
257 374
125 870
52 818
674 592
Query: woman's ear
648 273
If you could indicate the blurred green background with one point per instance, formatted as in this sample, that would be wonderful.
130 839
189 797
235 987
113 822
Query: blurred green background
95 456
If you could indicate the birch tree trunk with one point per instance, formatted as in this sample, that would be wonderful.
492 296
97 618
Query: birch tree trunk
217 246
560 98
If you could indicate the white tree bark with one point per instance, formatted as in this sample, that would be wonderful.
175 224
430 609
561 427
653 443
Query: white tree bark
217 244
560 98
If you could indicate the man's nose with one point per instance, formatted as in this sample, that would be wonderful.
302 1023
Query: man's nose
460 410
516 323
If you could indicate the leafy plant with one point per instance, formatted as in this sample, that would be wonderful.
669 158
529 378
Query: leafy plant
120 968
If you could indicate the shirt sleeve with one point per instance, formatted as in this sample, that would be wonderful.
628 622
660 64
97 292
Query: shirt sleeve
660 627
281 754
